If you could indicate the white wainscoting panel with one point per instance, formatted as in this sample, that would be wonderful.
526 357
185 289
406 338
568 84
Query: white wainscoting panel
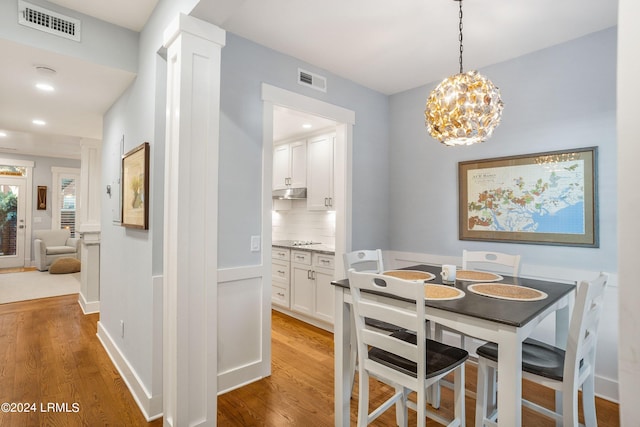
244 327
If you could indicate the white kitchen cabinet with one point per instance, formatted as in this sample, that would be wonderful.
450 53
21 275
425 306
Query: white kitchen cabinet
320 172
301 282
323 275
280 277
290 165
311 289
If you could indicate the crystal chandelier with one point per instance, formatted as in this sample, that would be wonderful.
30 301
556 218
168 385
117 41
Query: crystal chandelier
464 108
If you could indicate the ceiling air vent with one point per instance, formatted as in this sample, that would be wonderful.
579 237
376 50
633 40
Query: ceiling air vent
306 78
48 21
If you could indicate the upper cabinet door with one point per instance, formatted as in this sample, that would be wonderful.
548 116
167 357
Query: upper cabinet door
290 165
298 175
320 173
281 168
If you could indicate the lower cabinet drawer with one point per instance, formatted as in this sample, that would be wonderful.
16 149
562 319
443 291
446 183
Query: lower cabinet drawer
301 257
279 295
280 270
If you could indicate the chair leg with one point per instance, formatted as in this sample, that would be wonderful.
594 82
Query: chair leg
569 410
481 392
353 360
421 407
434 390
363 399
589 401
459 394
401 407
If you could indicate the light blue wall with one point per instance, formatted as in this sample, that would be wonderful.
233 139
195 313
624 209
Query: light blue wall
129 258
557 98
245 66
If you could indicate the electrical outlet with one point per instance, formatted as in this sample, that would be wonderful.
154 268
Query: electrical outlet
255 243
122 328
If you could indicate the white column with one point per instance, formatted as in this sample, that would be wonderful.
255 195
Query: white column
627 111
89 224
191 222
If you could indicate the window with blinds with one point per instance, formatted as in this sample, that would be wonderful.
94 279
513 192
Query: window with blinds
67 204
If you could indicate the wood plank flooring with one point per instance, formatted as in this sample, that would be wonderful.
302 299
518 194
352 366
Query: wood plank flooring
300 390
49 354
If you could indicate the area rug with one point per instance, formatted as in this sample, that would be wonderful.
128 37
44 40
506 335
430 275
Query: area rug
36 284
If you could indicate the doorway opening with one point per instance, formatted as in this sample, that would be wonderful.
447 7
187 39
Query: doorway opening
335 121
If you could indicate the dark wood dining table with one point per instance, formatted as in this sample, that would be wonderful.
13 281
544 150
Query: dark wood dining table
505 322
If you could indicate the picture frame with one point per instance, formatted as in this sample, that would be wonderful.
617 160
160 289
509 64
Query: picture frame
135 188
42 198
547 198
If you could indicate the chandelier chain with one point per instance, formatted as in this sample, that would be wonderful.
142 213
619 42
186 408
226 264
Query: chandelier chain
460 34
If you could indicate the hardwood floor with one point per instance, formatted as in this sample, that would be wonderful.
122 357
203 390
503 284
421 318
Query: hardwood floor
300 390
49 354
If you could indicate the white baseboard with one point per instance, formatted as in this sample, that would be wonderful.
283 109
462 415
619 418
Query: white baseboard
88 307
306 319
151 406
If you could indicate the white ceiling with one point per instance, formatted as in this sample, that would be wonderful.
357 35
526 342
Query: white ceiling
384 45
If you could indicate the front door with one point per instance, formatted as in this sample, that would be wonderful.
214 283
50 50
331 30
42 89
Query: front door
12 222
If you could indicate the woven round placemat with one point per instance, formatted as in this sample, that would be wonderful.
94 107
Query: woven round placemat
479 276
442 292
509 292
409 274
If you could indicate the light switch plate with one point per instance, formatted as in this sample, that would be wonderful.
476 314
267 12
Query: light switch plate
255 243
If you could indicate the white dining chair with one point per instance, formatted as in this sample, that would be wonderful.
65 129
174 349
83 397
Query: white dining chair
565 371
496 262
371 261
407 361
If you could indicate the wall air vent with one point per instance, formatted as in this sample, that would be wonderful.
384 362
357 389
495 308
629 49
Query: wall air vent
306 78
48 21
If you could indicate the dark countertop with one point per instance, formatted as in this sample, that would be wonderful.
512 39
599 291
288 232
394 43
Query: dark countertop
320 248
516 313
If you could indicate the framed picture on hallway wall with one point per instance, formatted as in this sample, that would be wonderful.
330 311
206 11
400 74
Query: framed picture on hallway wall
542 198
135 187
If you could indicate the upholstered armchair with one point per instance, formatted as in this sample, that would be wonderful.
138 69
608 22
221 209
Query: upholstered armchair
49 245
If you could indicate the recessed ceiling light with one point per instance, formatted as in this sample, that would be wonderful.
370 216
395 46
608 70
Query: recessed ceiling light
307 126
45 87
2 134
38 122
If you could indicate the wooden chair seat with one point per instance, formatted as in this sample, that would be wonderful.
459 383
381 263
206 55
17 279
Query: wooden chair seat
441 358
538 358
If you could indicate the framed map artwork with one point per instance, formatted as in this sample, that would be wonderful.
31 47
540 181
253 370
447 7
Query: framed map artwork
543 198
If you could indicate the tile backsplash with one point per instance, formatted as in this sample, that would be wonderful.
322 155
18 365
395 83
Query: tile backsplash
298 223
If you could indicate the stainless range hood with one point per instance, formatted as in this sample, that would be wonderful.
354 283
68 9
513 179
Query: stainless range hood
290 193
